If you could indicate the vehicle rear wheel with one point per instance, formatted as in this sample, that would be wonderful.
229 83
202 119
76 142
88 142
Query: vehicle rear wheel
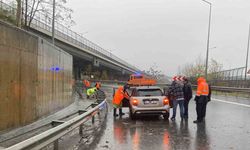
166 116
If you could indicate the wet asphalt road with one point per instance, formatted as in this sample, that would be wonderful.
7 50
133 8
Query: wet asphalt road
227 126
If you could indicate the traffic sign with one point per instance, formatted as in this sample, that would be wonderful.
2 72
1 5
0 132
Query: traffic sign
178 78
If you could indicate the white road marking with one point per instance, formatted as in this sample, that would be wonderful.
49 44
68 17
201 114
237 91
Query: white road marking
234 103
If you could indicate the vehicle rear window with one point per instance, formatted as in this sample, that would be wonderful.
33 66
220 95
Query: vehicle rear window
149 92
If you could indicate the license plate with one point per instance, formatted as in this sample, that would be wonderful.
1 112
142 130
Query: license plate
153 102
150 102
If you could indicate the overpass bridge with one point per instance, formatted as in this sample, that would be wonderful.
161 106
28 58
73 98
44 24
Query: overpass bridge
83 50
80 48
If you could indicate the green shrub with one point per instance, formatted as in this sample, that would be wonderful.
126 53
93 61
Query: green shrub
7 18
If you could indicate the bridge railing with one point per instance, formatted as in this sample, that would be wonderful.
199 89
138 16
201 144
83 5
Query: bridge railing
42 22
60 129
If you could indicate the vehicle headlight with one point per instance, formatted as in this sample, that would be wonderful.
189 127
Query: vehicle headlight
134 102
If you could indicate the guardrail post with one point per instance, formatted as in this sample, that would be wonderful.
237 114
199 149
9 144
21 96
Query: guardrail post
93 117
81 127
54 124
56 144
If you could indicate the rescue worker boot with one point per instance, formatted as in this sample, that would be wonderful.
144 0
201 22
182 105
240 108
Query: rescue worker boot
197 121
115 115
120 112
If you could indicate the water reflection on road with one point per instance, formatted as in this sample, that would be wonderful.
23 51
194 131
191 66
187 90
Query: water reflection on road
222 130
152 133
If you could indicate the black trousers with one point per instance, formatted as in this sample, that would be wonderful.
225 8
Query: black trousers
186 102
201 105
120 111
204 110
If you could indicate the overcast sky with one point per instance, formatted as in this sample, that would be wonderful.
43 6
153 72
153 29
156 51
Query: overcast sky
169 33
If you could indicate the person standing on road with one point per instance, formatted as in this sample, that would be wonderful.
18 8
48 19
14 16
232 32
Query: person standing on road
188 94
91 92
98 85
86 84
176 91
119 95
201 99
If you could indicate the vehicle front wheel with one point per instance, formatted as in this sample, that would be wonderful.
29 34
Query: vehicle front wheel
166 116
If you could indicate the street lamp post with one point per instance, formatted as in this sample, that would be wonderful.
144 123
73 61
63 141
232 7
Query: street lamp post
208 37
53 22
248 42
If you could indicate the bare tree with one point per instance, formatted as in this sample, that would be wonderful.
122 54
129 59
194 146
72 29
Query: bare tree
63 14
198 68
19 13
192 69
153 71
214 68
33 4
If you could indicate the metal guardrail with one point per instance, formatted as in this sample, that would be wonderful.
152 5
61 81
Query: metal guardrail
230 89
42 22
215 88
60 129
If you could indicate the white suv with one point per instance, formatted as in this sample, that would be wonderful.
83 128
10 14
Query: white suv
148 100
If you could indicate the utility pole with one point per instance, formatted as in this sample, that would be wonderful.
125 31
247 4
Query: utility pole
26 13
248 42
208 37
53 22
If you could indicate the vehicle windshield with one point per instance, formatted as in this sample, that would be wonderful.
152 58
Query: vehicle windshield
149 92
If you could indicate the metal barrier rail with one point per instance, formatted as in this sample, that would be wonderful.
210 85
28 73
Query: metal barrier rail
61 128
216 88
42 22
230 89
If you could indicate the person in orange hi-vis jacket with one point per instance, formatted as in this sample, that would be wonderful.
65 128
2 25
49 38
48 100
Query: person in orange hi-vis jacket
98 85
86 84
201 99
119 95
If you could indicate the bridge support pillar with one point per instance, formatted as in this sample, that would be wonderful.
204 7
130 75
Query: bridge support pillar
96 62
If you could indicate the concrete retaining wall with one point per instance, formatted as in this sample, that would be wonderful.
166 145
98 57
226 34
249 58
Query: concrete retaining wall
35 77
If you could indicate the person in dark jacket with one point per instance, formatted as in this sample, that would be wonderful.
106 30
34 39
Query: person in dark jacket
188 94
176 91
